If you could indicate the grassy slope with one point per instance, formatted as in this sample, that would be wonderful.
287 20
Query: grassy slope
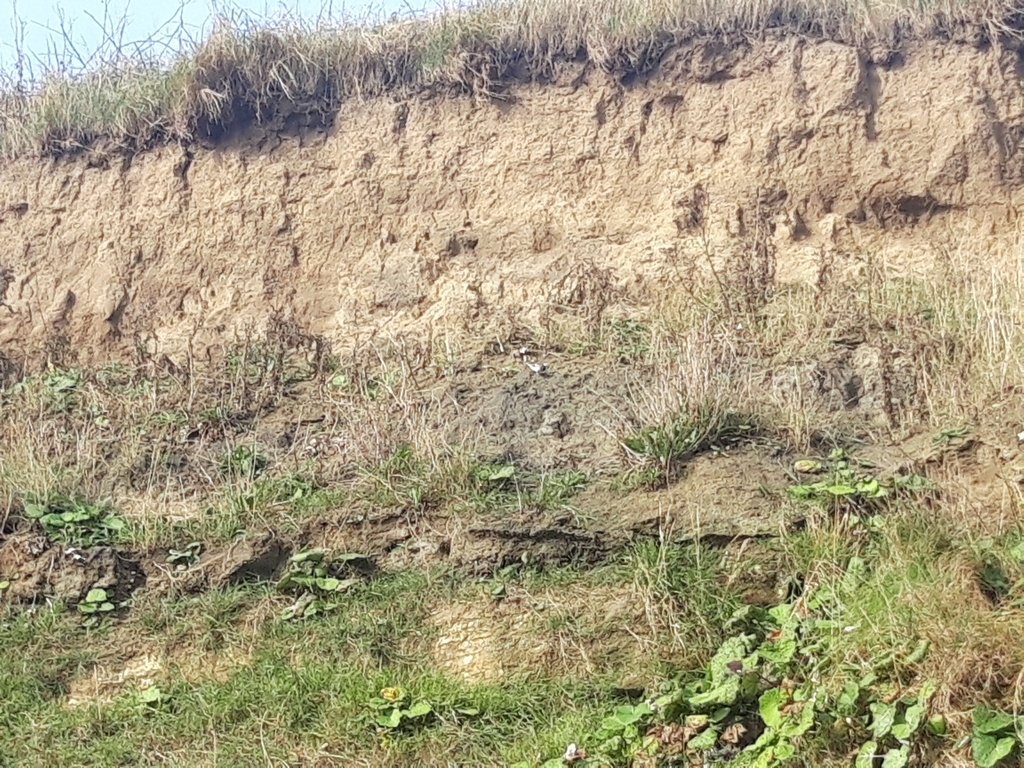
305 691
245 686
243 72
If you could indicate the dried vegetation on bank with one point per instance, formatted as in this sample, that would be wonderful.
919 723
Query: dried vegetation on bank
245 71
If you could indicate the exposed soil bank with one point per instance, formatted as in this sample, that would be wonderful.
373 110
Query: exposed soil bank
444 214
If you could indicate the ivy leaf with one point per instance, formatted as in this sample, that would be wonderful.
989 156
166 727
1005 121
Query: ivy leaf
1016 552
769 705
846 703
724 693
314 556
928 689
803 723
990 721
937 725
419 709
913 718
779 651
153 695
902 732
703 741
627 715
391 719
919 653
35 511
802 492
866 755
987 750
882 718
868 488
783 615
897 758
784 750
733 651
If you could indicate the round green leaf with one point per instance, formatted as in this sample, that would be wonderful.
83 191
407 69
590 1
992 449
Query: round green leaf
419 709
897 758
937 725
35 511
988 751
784 751
866 755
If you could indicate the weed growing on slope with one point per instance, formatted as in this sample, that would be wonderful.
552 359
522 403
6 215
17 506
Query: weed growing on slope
243 461
401 480
60 388
555 489
995 737
455 480
848 485
76 522
395 708
94 606
296 491
759 701
184 557
317 580
687 435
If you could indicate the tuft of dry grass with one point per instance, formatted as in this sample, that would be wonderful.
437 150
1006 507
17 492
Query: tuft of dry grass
869 351
245 70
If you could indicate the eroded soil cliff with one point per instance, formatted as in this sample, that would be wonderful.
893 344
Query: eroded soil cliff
441 215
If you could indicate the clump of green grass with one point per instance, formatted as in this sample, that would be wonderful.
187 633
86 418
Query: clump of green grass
454 480
243 461
686 435
295 491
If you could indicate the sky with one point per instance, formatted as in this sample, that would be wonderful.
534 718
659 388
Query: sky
69 31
